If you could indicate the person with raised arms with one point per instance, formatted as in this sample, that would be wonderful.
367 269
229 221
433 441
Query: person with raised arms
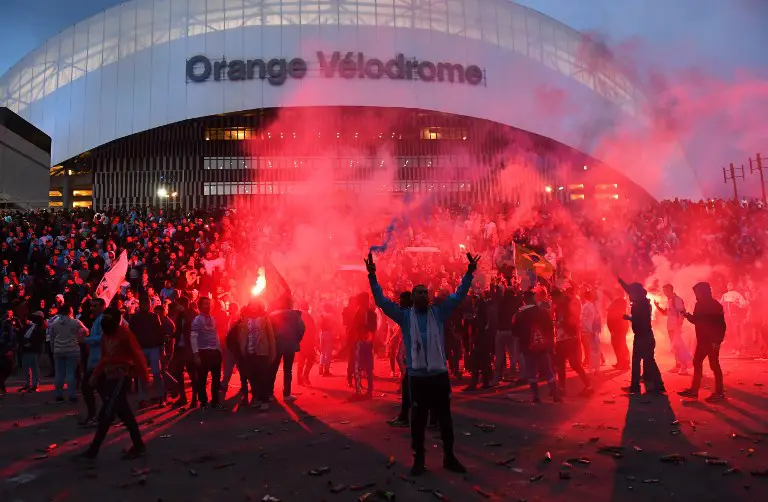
424 339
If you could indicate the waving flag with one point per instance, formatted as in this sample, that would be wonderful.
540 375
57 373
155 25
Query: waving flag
529 259
111 281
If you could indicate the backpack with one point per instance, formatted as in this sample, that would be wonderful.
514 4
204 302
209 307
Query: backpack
539 341
542 334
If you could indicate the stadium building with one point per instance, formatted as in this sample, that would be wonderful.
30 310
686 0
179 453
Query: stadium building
197 103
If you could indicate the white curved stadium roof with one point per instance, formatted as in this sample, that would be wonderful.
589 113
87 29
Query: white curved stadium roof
122 71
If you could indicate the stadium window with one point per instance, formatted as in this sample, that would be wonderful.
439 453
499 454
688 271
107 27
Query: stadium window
607 186
82 203
206 189
82 193
54 193
577 196
578 186
55 204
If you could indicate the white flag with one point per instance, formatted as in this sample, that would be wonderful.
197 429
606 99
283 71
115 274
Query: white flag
111 281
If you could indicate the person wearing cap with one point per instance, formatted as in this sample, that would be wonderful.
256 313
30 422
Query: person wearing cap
644 344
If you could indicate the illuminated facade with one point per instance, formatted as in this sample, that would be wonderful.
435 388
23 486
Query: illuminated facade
125 71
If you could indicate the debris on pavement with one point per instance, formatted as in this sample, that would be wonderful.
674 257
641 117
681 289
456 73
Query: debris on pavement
673 458
390 461
505 462
731 470
716 461
490 444
705 455
337 488
486 427
357 488
481 492
141 481
320 471
270 498
537 477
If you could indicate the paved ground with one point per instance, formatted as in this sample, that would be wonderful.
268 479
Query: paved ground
242 455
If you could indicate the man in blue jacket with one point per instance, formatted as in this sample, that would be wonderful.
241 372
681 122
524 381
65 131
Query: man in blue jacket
424 339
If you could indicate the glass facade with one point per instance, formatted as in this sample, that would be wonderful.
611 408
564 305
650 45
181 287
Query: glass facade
299 151
124 31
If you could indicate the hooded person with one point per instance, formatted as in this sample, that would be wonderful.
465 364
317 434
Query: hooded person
708 317
426 365
644 342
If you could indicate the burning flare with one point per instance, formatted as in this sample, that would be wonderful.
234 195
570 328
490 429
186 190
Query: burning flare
261 283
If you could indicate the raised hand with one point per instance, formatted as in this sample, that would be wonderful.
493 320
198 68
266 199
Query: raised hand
370 265
473 261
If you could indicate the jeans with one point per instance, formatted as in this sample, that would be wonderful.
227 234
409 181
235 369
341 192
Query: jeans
711 351
619 343
30 367
679 349
538 365
304 362
65 371
504 344
430 393
364 364
481 364
6 367
258 370
642 351
153 361
182 360
592 342
568 351
326 349
210 362
89 393
230 361
287 358
114 398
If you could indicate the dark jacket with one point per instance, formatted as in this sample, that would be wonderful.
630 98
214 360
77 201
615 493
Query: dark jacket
288 328
640 311
708 316
36 342
535 328
309 342
148 329
509 304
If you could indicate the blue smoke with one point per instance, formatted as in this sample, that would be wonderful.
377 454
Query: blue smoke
387 237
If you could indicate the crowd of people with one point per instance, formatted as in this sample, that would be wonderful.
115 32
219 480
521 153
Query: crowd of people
187 306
